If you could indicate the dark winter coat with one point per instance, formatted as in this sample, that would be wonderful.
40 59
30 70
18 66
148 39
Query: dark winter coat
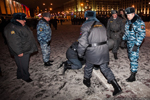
96 54
20 39
72 51
115 25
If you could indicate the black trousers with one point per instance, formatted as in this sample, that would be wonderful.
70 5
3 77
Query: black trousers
22 66
106 71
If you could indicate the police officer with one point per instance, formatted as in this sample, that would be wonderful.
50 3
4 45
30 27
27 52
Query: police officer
44 36
134 35
21 44
124 19
115 29
73 62
92 43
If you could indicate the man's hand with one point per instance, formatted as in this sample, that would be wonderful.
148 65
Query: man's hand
135 47
20 55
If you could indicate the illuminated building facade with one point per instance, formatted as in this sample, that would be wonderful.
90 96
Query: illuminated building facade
103 7
8 7
142 7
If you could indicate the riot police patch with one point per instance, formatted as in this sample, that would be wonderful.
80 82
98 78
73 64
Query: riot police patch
12 32
142 27
97 25
41 29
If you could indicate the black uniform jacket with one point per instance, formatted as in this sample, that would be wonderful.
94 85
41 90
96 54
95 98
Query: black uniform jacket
20 39
95 54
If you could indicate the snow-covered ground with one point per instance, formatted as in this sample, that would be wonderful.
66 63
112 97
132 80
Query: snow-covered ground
49 84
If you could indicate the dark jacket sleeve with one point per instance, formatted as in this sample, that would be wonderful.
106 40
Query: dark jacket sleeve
83 42
14 40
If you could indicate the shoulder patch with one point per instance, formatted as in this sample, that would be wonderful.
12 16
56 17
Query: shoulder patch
12 32
97 25
111 21
142 27
41 29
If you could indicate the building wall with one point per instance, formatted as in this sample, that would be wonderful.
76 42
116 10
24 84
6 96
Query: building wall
8 7
142 7
104 7
100 6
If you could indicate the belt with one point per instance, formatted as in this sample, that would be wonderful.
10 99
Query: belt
114 31
73 48
97 44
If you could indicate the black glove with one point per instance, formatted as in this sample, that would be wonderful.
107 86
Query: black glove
80 56
48 43
135 47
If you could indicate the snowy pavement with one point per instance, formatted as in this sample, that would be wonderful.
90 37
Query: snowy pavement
49 84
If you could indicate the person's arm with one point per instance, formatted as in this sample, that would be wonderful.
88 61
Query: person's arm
14 40
140 34
108 29
83 43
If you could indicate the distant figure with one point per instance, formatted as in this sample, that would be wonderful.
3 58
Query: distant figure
21 44
4 22
55 23
93 44
44 37
61 21
134 35
124 20
115 31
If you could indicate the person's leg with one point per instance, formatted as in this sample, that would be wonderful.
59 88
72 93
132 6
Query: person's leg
75 63
87 74
134 65
116 47
107 72
46 54
110 78
23 66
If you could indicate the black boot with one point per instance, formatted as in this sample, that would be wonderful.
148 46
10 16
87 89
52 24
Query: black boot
117 88
66 66
51 61
87 82
132 77
115 56
47 63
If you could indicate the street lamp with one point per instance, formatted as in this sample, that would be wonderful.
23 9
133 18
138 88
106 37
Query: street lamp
133 6
81 8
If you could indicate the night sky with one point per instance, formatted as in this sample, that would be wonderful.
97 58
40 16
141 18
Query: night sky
35 3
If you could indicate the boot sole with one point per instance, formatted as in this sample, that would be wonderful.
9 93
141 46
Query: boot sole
130 81
118 93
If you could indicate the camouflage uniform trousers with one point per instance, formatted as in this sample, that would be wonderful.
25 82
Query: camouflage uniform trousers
133 56
45 52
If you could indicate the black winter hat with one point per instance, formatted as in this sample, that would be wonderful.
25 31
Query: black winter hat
46 14
20 16
129 10
113 12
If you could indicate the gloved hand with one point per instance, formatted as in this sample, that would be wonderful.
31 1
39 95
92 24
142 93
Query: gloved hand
135 47
80 56
48 43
